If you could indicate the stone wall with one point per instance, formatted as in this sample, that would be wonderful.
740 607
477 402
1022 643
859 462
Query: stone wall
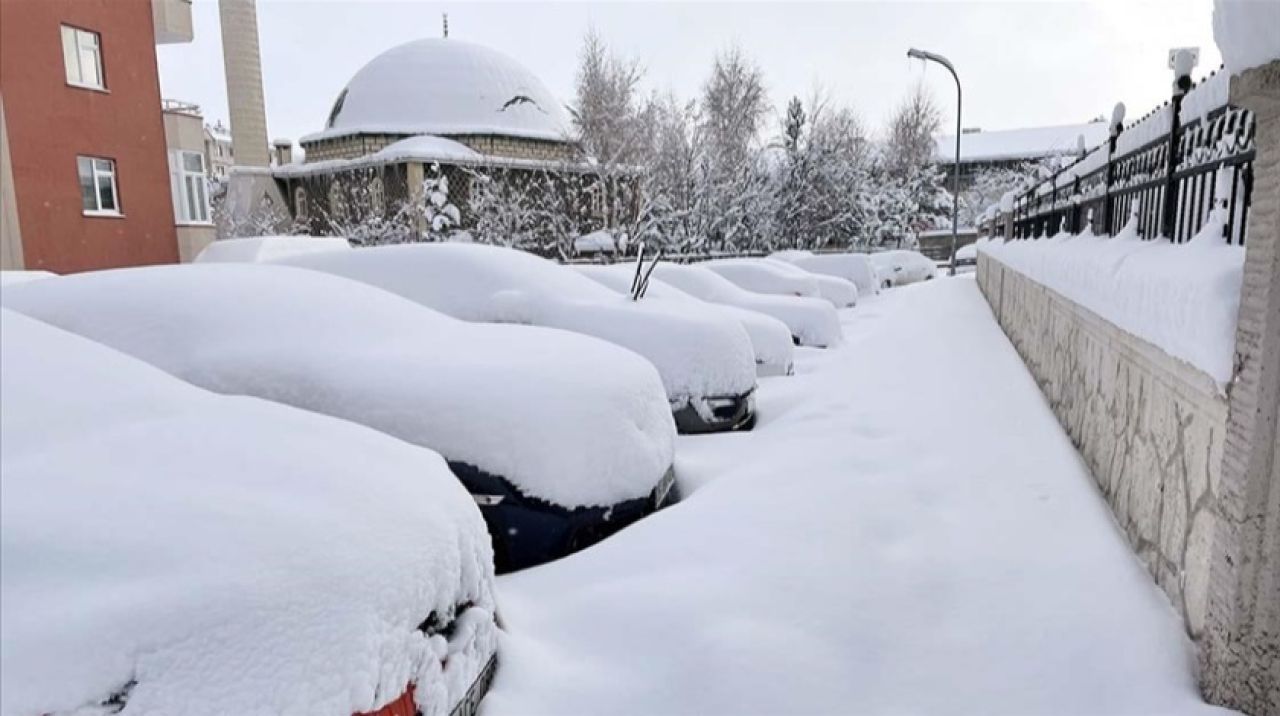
1240 654
1150 428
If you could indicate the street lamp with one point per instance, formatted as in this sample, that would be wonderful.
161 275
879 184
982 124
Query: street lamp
955 175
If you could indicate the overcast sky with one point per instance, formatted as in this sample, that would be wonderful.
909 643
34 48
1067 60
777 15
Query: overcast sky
1021 63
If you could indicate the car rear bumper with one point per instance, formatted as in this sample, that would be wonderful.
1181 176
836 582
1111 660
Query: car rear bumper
717 414
527 531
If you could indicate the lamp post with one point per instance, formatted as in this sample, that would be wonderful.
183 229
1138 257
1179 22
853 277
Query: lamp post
955 175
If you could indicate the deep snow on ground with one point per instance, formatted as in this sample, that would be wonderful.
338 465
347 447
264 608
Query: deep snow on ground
907 530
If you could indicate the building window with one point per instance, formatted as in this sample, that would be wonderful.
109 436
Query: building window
191 195
82 54
300 203
337 207
98 192
377 197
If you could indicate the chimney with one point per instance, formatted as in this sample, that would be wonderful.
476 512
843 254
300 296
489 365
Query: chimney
283 151
243 67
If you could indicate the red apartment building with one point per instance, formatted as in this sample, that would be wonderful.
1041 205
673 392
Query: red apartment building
84 171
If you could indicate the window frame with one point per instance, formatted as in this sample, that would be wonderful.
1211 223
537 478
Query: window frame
182 198
94 175
300 209
77 46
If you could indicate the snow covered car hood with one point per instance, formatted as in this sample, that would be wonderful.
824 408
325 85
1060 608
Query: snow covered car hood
182 552
563 417
812 321
696 356
770 338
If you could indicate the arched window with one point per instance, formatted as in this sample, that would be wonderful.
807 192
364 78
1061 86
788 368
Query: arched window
300 203
377 197
337 207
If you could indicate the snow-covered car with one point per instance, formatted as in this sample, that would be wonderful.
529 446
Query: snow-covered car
764 276
707 366
784 279
770 338
14 277
901 267
812 321
967 255
490 399
848 266
169 550
263 248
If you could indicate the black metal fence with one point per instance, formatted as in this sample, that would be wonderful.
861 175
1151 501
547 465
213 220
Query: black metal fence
1162 171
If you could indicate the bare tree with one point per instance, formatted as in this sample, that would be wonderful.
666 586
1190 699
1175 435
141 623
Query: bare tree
911 131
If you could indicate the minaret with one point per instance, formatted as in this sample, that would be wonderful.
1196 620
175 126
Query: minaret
243 67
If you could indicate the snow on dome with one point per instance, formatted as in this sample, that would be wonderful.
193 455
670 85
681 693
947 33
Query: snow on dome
446 87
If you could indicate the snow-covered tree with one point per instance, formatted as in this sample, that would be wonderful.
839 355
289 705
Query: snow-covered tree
990 184
737 206
824 183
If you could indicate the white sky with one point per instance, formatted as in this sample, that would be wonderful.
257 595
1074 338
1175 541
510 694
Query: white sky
1022 63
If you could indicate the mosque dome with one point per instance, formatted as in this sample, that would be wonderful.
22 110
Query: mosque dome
447 87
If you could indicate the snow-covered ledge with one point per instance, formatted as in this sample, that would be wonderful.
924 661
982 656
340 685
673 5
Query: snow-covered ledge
1150 427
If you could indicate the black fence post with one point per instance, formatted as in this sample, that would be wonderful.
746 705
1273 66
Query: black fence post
1169 220
1110 177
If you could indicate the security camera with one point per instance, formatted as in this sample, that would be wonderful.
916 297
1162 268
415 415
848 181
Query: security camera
1182 60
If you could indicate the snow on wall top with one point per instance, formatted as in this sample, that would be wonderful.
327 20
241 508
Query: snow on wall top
225 555
1027 143
1247 33
446 87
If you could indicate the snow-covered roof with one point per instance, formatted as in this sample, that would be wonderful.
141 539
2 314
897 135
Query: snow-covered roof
427 148
446 87
1025 143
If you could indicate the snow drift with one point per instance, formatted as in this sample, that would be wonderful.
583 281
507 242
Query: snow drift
168 550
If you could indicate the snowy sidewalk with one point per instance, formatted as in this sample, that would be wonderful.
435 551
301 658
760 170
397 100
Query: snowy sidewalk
906 531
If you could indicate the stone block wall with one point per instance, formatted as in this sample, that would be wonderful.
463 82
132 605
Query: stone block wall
1150 428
